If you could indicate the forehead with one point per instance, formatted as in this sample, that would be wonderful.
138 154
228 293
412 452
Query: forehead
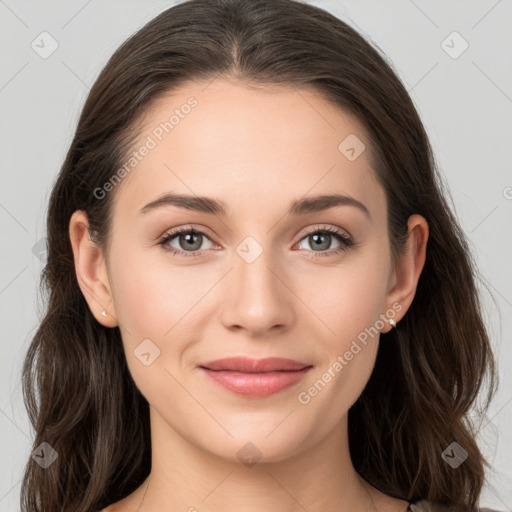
241 143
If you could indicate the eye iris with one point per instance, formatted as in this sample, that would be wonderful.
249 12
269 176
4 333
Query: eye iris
320 245
189 238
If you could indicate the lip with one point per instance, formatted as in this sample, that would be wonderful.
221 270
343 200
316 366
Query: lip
255 377
249 365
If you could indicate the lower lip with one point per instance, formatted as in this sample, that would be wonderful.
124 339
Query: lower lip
256 384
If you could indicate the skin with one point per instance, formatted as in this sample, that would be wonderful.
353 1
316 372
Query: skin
256 150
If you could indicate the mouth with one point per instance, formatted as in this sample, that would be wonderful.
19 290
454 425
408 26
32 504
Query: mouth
255 377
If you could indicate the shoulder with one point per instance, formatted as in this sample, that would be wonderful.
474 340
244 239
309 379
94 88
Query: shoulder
429 506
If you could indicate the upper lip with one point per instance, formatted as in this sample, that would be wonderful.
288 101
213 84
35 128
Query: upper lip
248 365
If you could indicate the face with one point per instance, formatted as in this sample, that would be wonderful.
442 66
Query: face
272 275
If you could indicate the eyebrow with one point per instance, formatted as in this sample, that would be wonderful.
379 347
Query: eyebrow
216 207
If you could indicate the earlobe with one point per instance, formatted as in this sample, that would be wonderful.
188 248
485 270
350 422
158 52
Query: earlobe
409 266
91 272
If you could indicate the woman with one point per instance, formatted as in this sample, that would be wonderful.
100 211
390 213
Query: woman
259 298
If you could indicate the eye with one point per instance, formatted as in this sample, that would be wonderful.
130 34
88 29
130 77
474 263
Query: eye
321 240
189 241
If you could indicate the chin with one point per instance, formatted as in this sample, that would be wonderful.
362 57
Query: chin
250 452
258 444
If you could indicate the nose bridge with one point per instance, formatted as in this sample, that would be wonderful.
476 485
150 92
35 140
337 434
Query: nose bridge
259 300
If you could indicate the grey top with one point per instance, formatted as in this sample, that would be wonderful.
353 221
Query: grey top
420 506
428 506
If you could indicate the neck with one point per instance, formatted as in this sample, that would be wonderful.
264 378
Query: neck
185 477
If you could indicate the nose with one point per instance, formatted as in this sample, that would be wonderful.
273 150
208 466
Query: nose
257 297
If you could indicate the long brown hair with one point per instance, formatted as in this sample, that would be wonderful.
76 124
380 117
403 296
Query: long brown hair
77 388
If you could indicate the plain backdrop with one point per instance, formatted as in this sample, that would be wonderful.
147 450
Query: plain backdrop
460 82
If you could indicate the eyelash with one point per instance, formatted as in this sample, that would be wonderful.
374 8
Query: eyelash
345 241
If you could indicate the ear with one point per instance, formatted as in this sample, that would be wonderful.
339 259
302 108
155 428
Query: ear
408 268
91 270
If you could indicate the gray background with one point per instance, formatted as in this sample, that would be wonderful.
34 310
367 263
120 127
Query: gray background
465 102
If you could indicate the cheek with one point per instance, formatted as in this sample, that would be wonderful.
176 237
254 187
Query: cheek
349 305
151 301
163 303
152 296
346 299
